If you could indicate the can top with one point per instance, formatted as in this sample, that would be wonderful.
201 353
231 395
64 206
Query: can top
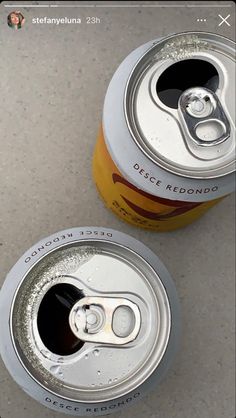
91 320
179 104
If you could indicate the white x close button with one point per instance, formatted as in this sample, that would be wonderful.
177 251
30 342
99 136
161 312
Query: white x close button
224 20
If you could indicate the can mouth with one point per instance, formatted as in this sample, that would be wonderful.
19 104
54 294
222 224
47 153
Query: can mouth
55 298
183 75
53 319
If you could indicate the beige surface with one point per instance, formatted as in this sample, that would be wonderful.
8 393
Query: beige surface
53 81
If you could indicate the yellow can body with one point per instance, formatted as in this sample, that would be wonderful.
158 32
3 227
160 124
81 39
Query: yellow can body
135 205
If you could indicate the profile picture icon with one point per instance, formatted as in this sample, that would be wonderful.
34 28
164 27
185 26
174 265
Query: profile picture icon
15 20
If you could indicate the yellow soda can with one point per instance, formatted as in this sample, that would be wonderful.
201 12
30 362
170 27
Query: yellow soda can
165 152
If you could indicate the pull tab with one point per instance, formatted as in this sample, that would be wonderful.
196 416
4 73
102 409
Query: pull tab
205 120
105 320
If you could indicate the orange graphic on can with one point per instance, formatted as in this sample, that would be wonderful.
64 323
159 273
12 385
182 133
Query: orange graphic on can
136 206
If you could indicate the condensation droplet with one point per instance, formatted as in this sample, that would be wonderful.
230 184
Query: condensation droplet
55 369
86 356
109 381
99 372
96 353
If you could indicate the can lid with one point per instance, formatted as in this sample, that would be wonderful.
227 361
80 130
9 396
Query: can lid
91 321
180 104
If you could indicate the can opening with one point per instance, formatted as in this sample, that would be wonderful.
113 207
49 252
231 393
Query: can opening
53 319
183 75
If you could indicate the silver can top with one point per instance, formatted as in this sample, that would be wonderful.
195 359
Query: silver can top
91 320
180 104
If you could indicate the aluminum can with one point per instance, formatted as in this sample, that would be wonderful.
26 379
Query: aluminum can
90 321
165 153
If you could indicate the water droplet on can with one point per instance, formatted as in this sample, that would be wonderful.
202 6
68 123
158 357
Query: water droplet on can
55 369
96 352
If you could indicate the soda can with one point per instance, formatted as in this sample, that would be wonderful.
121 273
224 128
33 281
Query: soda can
166 149
90 321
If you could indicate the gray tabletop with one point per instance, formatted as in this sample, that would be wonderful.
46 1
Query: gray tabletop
53 81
